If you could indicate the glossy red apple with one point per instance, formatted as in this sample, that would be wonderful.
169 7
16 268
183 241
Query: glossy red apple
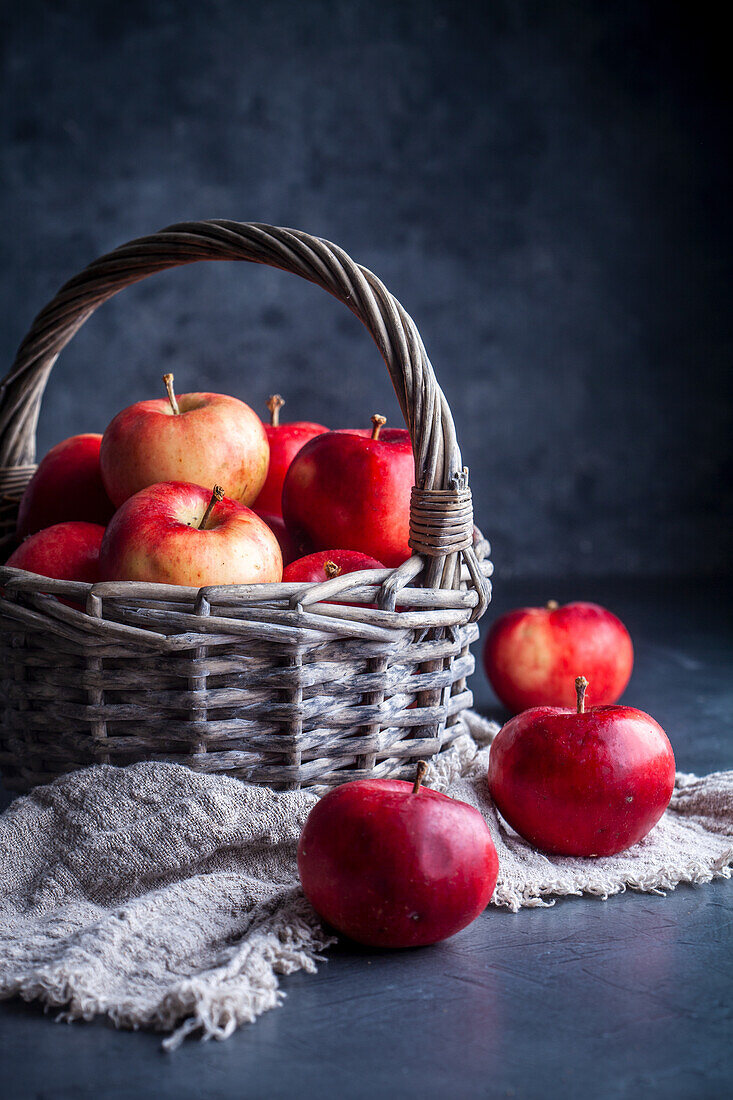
178 533
394 864
199 438
581 782
66 551
351 488
288 549
285 441
531 655
66 486
327 564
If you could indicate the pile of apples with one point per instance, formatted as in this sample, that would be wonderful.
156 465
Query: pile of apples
196 490
391 864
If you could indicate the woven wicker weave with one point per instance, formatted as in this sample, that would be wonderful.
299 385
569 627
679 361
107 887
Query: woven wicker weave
269 683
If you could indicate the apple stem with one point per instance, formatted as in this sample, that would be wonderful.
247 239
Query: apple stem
419 775
552 605
581 685
274 403
378 422
216 496
168 379
331 569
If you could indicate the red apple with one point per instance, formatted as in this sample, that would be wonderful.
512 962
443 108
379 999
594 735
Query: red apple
276 524
174 534
393 864
351 488
66 486
327 564
198 437
66 551
581 782
285 441
531 655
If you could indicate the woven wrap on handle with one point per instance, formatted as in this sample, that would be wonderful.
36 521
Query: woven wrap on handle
440 523
427 415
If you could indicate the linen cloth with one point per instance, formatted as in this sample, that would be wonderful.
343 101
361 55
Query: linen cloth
169 899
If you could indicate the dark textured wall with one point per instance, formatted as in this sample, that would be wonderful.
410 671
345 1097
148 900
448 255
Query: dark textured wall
544 186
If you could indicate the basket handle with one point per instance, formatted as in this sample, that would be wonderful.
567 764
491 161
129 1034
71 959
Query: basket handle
438 467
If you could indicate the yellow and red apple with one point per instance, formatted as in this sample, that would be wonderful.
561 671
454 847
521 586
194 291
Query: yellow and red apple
179 533
200 438
531 655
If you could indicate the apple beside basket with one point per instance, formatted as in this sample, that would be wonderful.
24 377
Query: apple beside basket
275 684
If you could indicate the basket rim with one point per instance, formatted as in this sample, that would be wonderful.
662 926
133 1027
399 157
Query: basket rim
383 584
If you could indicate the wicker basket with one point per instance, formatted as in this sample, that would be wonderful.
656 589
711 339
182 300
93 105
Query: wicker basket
268 683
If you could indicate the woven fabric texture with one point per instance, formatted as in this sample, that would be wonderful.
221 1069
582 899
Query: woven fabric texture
169 899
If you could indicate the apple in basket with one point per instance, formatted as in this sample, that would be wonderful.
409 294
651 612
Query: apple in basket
285 441
66 486
178 533
577 782
351 488
327 564
200 438
277 525
394 864
66 551
531 655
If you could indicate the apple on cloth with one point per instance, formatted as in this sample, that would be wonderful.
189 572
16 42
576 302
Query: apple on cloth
395 864
179 533
531 655
577 782
201 438
150 876
66 486
351 488
285 441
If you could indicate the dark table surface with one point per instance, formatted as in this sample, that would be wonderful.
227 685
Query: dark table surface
625 998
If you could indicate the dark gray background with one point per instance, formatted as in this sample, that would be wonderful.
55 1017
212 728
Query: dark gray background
545 186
